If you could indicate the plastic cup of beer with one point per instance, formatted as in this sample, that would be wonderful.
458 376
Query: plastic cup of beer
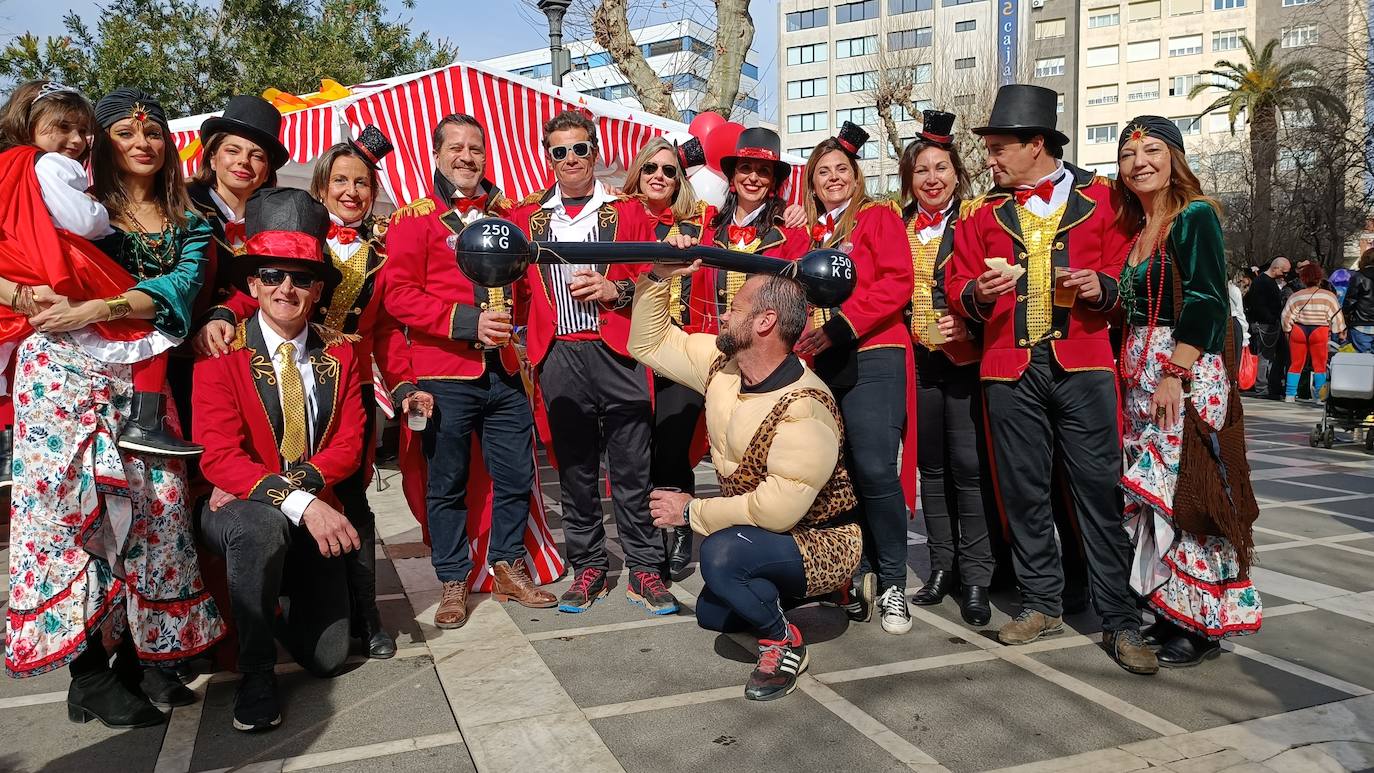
1064 293
416 419
933 335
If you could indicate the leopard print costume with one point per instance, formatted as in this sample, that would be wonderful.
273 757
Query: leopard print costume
830 553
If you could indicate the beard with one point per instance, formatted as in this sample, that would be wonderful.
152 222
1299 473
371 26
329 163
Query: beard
731 344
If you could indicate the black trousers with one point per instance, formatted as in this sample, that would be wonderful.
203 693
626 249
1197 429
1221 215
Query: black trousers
1050 412
360 566
267 557
1271 345
496 408
676 412
597 402
952 457
874 413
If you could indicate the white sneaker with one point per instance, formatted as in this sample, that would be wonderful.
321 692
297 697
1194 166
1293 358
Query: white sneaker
896 617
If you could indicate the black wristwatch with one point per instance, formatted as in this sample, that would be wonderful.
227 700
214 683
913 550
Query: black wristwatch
687 513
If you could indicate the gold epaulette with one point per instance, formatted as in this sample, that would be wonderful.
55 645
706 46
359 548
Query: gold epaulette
332 337
417 208
533 198
1097 178
240 337
969 206
501 205
378 225
889 203
699 216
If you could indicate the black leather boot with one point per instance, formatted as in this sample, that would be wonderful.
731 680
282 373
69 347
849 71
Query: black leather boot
1187 649
1159 632
97 693
974 606
375 638
161 686
680 553
7 457
145 431
940 584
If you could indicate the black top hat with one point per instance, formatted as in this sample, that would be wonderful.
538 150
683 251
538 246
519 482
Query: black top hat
937 126
1022 109
851 137
758 144
372 145
691 154
285 225
253 118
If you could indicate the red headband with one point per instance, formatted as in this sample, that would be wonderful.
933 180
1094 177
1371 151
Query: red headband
288 245
763 153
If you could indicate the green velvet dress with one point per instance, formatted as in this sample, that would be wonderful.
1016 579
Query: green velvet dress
169 267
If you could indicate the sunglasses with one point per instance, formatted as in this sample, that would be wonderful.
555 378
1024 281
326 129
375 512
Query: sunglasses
579 149
649 168
302 280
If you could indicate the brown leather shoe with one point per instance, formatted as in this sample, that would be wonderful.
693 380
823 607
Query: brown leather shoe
453 606
1128 649
512 582
1029 626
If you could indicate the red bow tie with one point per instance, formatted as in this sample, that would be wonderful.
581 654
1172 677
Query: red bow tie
742 234
466 204
925 220
1044 191
665 217
235 233
342 233
822 229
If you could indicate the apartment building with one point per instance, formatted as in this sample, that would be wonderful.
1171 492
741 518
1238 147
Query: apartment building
680 53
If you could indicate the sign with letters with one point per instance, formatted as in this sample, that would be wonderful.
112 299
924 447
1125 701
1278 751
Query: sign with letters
1008 31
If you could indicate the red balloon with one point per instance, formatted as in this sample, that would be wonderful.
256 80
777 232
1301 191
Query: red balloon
702 125
721 142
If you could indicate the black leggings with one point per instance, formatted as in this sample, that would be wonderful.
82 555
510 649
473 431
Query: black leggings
748 571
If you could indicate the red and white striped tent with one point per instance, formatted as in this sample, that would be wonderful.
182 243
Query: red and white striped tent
405 108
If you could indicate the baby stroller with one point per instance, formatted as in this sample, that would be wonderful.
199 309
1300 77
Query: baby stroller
1349 399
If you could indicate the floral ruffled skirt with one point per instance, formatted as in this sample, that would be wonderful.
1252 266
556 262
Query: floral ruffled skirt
1191 579
70 482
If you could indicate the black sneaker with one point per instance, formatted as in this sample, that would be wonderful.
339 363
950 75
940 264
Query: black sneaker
647 590
780 663
145 432
589 584
256 706
858 600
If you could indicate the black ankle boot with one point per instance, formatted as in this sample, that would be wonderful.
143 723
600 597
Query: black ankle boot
680 553
161 686
1159 632
145 431
1187 649
7 457
974 606
940 584
375 638
97 693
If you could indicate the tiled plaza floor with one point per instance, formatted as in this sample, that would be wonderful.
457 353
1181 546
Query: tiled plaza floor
615 689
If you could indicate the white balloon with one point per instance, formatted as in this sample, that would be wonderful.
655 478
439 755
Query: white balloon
709 186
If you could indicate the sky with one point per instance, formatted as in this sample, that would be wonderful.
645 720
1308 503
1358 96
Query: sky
480 28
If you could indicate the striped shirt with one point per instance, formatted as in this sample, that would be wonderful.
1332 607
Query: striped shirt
1314 306
574 316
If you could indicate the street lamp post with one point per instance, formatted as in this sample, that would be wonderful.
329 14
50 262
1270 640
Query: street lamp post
559 59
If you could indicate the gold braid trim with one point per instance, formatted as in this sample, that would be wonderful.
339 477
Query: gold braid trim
416 208
968 207
888 203
332 337
533 198
240 337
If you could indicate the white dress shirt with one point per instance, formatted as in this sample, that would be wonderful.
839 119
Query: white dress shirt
343 252
749 218
63 183
574 316
1063 186
295 503
226 212
834 216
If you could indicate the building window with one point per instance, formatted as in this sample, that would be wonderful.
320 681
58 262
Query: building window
867 9
1291 3
1142 50
537 71
750 104
750 71
1102 95
601 59
814 52
1102 56
1226 40
811 87
1218 123
612 92
1188 125
1181 85
962 99
806 122
1101 133
1049 66
892 183
1185 45
868 151
803 152
899 40
805 20
1145 11
1059 103
1049 28
968 25
862 116
662 47
966 63
1299 36
902 113
1104 19
925 73
1184 7
1106 170
1227 5
851 47
1142 91
895 7
948 3
857 81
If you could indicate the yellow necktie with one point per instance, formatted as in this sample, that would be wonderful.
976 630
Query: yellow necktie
292 404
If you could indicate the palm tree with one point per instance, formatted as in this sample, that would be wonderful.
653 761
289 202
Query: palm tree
1263 88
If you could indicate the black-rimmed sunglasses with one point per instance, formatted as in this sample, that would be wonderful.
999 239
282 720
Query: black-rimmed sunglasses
669 170
272 277
579 149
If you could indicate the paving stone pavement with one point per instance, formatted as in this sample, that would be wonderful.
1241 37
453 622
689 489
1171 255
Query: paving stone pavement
613 689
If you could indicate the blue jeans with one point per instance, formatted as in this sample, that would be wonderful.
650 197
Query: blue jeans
748 572
1363 342
496 408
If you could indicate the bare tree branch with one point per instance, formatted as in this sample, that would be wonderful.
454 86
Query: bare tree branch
611 27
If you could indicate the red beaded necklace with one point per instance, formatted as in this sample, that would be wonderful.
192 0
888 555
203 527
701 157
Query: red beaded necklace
1154 300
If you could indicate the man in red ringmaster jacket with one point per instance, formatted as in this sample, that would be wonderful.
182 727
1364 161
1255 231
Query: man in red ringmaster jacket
596 396
1047 361
281 419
